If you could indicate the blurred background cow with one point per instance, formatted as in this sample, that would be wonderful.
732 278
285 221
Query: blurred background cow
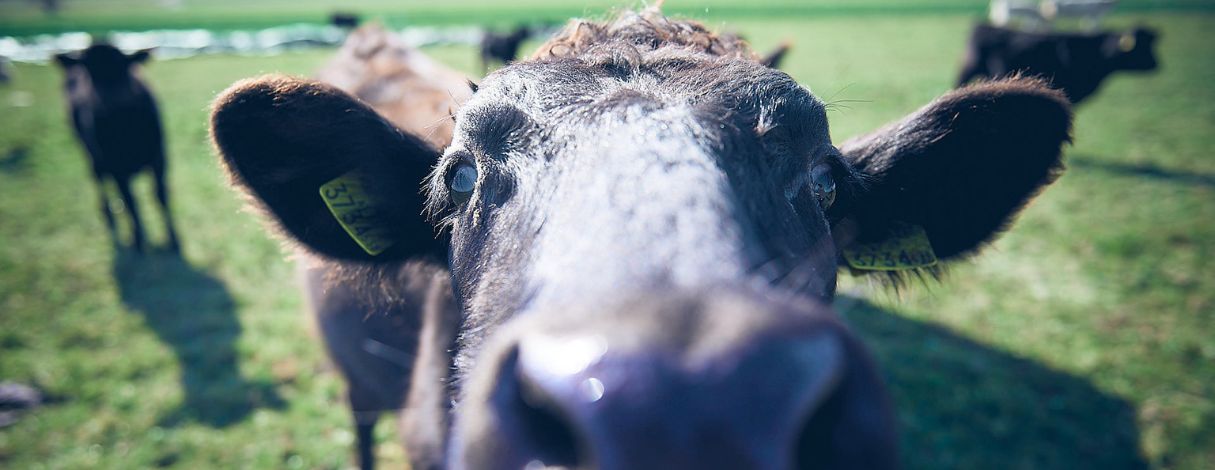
117 122
382 346
1077 63
502 48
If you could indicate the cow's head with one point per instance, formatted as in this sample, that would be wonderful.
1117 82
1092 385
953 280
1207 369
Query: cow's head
106 65
1132 50
644 227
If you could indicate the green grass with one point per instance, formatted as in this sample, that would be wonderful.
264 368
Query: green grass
1085 338
22 18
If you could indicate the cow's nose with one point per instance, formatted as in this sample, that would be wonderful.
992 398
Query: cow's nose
730 383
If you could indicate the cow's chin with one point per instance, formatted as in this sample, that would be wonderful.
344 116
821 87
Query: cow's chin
712 378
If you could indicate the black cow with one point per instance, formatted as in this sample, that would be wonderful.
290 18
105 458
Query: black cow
116 120
1074 62
774 58
5 75
643 227
503 48
345 20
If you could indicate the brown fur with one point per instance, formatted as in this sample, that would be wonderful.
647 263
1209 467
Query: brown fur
647 30
408 88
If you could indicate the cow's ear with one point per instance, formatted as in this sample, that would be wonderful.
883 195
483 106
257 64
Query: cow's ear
328 170
140 56
960 168
66 60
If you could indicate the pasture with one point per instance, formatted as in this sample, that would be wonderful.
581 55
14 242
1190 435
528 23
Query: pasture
1085 338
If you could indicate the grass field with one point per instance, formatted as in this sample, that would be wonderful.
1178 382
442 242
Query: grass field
23 18
1083 339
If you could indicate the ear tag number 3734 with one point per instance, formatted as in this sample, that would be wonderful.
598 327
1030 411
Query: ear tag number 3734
355 211
906 248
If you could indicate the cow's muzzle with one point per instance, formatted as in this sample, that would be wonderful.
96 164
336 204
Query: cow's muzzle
712 379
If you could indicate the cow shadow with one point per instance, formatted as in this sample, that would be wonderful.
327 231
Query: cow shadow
1142 170
193 313
962 404
15 159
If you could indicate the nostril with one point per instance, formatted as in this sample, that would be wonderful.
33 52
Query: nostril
850 425
814 442
544 431
549 429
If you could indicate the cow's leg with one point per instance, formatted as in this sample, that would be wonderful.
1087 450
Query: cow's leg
104 200
124 189
424 426
364 427
162 195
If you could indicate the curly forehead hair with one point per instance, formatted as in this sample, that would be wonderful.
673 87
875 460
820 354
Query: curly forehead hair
645 30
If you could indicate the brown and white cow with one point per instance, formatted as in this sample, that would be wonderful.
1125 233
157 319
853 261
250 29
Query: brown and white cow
381 344
643 226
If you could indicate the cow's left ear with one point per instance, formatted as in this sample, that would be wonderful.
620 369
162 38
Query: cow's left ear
140 56
960 168
66 60
326 169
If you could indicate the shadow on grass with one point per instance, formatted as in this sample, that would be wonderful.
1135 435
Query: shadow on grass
13 160
965 405
193 313
1143 170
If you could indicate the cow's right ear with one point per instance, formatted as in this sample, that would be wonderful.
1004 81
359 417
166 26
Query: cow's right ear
66 60
328 170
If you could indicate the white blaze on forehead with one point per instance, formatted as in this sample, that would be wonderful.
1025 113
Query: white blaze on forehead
642 204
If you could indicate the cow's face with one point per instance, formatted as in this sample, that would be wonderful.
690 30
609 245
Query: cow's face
622 175
106 65
644 238
1133 50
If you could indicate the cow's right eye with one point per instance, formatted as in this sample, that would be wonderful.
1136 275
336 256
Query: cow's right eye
461 181
823 184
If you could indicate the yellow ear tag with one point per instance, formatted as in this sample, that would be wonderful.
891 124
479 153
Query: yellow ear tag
906 248
355 210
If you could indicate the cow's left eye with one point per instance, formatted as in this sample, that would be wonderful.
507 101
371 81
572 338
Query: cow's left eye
823 185
461 182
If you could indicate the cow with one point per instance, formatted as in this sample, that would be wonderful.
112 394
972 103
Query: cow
643 226
344 20
502 48
116 119
774 58
1076 63
380 347
5 75
408 88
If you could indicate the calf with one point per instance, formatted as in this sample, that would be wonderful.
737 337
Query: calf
383 344
116 120
503 48
1076 63
773 59
643 226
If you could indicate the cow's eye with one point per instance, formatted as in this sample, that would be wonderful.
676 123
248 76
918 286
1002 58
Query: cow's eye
823 184
461 181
